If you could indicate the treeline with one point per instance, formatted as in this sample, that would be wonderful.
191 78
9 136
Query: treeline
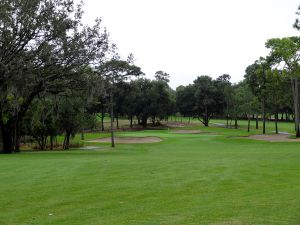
58 77
76 111
207 98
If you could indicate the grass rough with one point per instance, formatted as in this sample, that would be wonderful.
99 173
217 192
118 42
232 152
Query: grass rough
186 179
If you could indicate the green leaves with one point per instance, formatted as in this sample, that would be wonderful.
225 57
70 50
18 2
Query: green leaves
118 70
44 48
285 51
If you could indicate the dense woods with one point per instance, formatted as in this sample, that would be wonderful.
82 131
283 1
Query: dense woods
59 77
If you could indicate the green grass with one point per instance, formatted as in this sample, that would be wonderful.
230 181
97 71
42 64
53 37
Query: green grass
270 125
186 179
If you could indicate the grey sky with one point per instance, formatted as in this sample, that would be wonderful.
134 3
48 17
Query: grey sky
194 37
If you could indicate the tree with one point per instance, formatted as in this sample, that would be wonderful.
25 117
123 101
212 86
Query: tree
160 100
297 21
130 102
41 121
43 47
257 79
277 88
285 52
244 101
72 115
224 85
65 113
185 100
152 99
99 96
142 87
207 99
120 92
162 76
116 70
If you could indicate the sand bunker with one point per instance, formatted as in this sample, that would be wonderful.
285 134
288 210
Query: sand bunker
128 140
273 138
187 132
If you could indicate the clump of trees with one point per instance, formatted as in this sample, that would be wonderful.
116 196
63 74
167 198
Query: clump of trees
44 48
204 99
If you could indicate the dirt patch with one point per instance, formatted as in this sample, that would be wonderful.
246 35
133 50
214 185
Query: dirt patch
128 140
273 138
187 132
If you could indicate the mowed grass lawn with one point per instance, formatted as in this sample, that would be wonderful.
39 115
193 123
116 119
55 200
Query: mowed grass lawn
186 179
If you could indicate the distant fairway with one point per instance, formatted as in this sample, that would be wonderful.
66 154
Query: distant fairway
187 179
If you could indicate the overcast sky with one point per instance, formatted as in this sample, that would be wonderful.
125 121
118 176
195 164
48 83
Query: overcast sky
194 37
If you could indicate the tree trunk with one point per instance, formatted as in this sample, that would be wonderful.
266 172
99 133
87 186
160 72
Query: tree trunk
227 114
256 122
227 121
206 117
235 122
249 123
144 121
17 136
296 104
131 118
117 118
153 121
68 141
82 135
10 131
297 107
51 142
112 119
264 115
206 122
7 140
1 142
10 137
41 143
102 119
276 125
66 144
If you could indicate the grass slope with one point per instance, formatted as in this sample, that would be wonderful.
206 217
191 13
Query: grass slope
186 179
